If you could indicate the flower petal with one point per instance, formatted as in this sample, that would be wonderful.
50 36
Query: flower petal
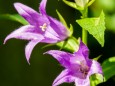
52 31
95 68
51 34
64 76
83 49
30 46
59 28
61 56
42 7
82 54
82 82
28 13
49 40
22 33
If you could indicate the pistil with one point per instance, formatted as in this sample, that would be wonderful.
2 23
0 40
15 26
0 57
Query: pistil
43 27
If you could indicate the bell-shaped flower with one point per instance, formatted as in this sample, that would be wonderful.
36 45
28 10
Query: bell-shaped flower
41 28
78 67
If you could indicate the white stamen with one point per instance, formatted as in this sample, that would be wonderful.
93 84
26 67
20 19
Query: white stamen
43 27
79 62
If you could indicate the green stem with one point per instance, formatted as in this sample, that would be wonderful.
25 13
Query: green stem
84 32
84 36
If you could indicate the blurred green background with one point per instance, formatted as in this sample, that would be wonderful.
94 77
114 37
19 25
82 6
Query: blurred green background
43 69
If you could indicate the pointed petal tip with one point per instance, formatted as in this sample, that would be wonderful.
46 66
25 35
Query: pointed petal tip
29 48
54 84
44 53
17 4
43 6
4 42
27 58
51 52
28 61
6 39
47 52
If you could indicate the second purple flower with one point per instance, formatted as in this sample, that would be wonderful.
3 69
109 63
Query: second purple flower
77 66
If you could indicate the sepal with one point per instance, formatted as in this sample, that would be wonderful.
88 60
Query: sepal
14 17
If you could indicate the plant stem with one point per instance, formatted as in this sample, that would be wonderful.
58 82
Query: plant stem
84 36
84 32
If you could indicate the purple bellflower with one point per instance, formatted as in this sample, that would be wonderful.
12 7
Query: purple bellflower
78 67
41 28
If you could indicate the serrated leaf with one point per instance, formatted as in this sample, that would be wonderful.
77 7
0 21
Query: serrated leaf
95 79
108 67
95 26
14 17
71 44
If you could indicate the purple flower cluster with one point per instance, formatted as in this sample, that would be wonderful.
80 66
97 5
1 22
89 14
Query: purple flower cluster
45 29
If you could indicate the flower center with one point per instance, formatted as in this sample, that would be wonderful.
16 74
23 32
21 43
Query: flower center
43 27
84 69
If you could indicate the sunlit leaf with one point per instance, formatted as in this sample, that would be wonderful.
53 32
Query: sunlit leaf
71 4
48 45
91 2
95 26
98 57
71 44
95 79
108 67
71 29
62 19
64 23
14 17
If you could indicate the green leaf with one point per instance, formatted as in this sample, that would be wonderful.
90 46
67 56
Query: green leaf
64 23
48 45
108 67
91 2
71 29
98 57
62 19
14 17
71 4
71 44
95 26
95 79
